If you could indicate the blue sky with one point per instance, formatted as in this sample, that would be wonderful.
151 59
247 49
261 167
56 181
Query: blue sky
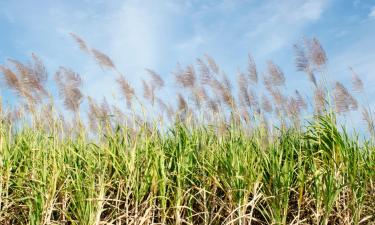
159 33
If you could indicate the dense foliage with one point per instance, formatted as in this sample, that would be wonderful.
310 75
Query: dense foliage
210 158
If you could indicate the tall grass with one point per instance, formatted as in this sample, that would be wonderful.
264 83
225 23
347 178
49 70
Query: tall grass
211 157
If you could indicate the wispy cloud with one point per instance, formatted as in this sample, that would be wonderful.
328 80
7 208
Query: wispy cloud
157 34
279 22
372 13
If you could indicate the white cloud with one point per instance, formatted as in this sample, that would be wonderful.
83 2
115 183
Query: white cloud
309 11
157 34
372 13
137 33
280 22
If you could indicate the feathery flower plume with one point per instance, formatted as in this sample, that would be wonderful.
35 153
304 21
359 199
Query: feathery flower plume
367 116
243 100
213 105
94 108
357 84
245 114
223 92
182 105
22 70
319 99
126 89
47 117
11 79
205 75
38 66
163 106
293 108
186 78
353 103
168 109
252 70
81 43
93 113
266 104
69 83
278 97
26 81
242 81
226 82
39 75
213 66
302 63
148 91
300 100
267 83
118 113
103 60
243 86
317 53
105 112
276 75
311 76
200 95
105 108
254 101
14 115
344 101
157 81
